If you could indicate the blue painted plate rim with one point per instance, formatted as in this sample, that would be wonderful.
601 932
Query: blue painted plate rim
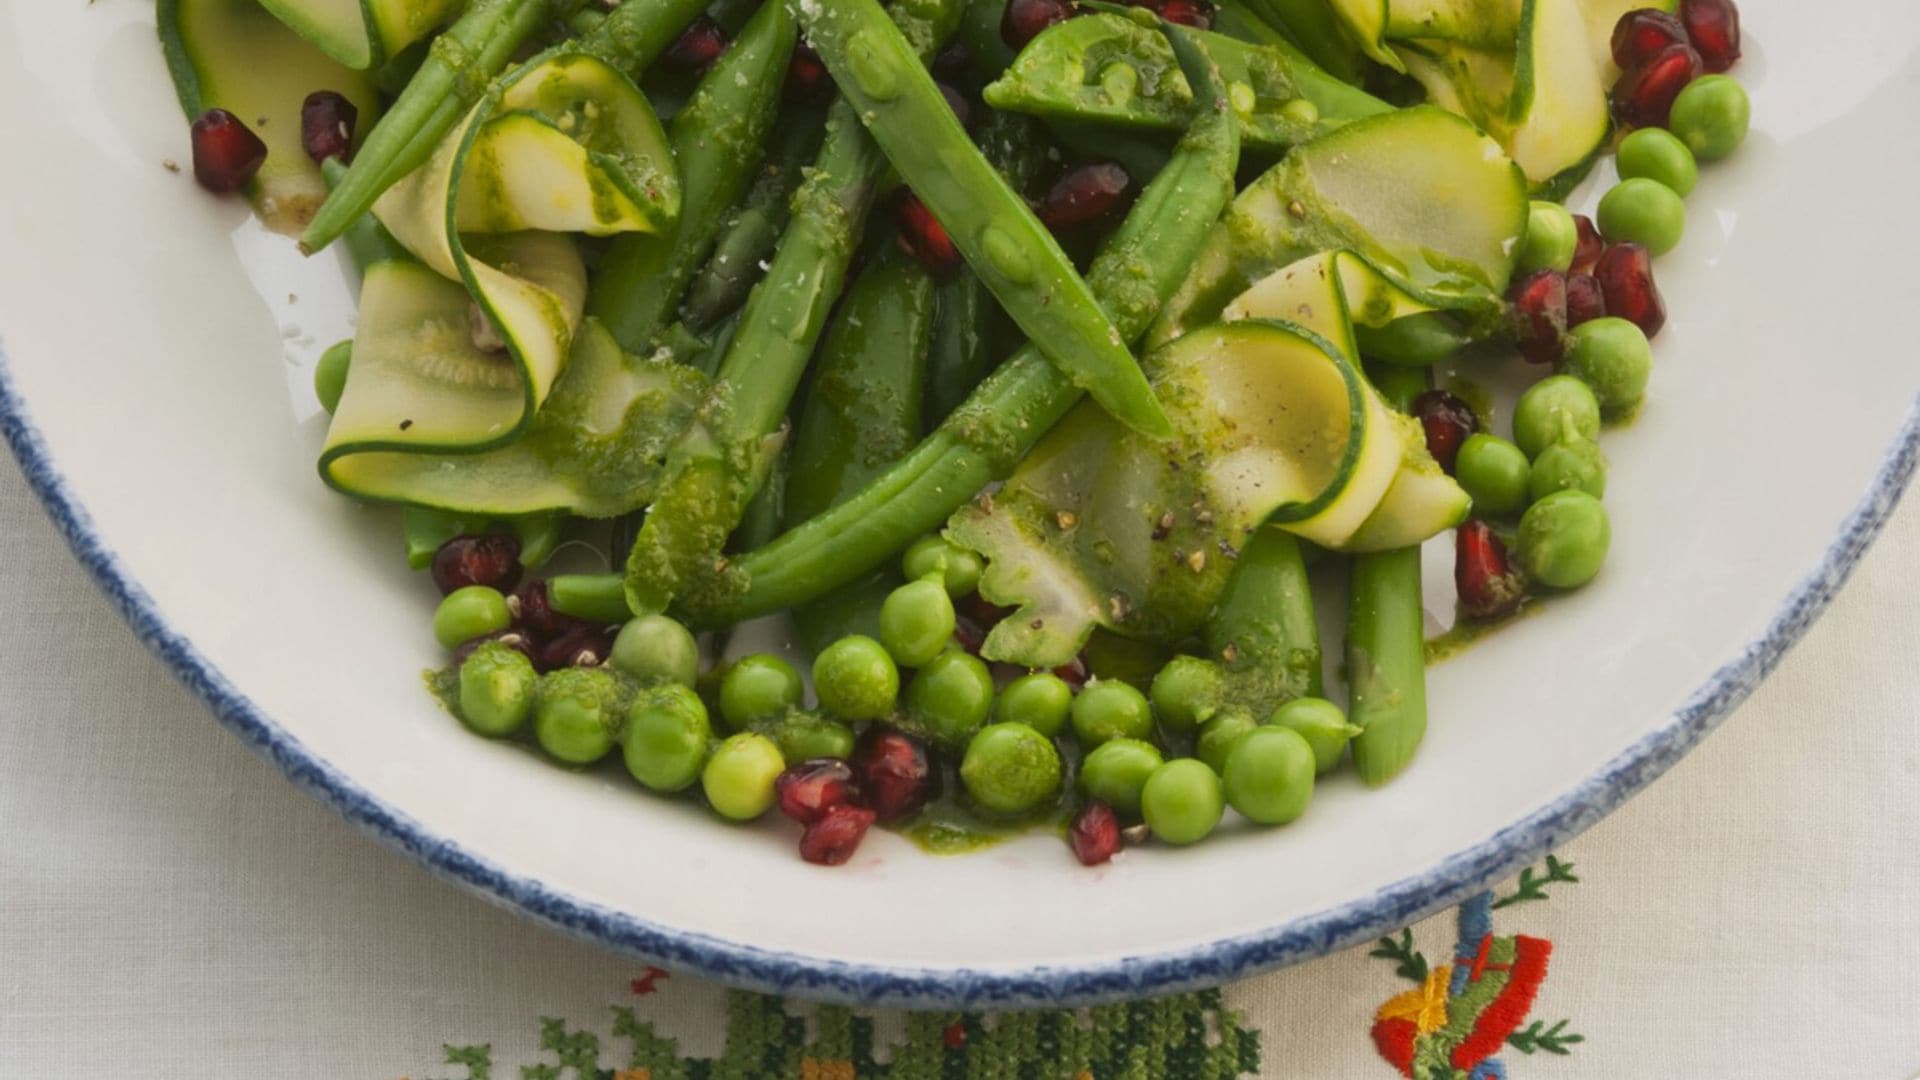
1446 882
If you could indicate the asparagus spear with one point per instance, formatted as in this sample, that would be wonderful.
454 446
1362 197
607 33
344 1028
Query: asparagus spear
1386 662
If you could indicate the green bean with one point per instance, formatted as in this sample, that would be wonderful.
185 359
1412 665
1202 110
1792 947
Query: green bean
595 597
1004 243
1263 629
1399 383
1138 268
717 142
1413 340
733 14
747 237
1386 663
760 521
708 477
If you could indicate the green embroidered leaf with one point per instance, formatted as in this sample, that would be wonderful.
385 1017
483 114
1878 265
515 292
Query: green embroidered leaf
1410 963
1553 1040
1533 887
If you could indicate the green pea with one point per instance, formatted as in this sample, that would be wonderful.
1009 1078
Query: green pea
803 737
758 687
470 612
1182 801
1117 770
1550 240
1218 735
1563 539
738 777
1010 768
578 714
1269 776
916 622
1110 709
497 684
667 733
1494 472
1557 407
951 696
1711 116
1322 724
1569 465
856 679
1645 212
1039 699
1654 153
330 374
654 648
959 569
1186 692
1612 356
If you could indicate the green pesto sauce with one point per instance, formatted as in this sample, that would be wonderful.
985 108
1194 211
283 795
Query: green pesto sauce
1624 418
1463 633
443 684
947 827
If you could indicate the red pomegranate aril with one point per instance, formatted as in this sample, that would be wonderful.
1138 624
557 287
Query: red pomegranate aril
1643 97
1585 301
532 610
893 772
1643 32
1483 575
969 635
1024 19
958 102
1195 13
1588 244
1448 421
1540 314
1714 28
519 640
923 237
836 836
1085 195
808 790
579 646
698 46
1625 274
492 560
807 78
1074 673
1094 833
226 153
326 126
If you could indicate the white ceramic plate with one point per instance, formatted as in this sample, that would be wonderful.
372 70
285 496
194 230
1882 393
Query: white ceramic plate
156 392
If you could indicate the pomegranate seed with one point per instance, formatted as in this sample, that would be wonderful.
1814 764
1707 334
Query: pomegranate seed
833 839
1485 579
517 639
326 126
1587 248
958 102
1195 13
808 790
954 1035
1644 95
533 610
1094 833
1086 194
1714 28
1448 421
1585 302
492 560
1024 19
226 153
1642 33
923 237
969 635
579 646
1540 313
1074 672
953 64
807 78
1625 274
894 773
982 611
698 46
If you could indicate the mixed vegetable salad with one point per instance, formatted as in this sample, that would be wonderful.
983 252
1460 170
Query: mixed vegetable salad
1035 357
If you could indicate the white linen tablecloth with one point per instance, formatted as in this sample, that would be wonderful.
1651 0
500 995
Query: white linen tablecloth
170 907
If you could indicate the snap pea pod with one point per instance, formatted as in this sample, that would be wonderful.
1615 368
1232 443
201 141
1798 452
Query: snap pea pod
862 412
1137 269
717 141
1315 27
1108 70
1263 628
1004 243
710 474
747 237
1386 663
967 322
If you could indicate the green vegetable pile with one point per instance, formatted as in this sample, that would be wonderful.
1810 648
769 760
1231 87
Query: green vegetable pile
1040 363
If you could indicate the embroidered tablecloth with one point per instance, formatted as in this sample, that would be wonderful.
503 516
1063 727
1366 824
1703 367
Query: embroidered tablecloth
170 907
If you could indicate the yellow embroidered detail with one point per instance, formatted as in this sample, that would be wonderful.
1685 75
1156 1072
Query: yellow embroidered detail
1425 1006
813 1069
